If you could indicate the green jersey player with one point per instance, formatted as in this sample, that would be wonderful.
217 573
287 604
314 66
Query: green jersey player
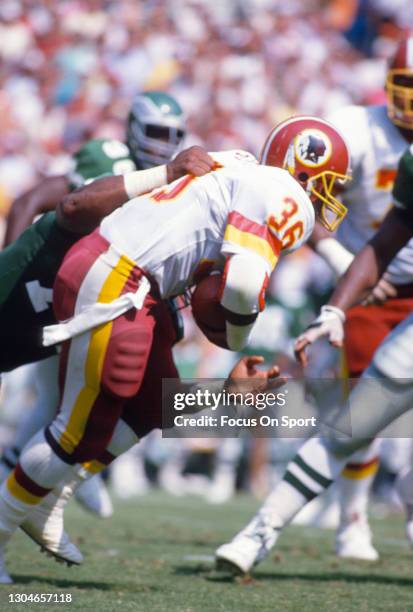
29 264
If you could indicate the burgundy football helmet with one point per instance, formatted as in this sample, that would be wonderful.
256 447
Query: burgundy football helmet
399 86
316 155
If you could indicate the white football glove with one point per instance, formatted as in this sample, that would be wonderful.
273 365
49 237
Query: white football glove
329 323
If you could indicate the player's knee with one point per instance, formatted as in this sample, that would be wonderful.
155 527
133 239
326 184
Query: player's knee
344 447
125 363
73 448
393 357
389 364
86 454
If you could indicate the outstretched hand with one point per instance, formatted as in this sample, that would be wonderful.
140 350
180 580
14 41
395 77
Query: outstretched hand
245 377
194 160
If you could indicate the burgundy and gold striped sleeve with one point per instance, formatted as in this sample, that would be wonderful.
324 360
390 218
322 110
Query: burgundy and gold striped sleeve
243 235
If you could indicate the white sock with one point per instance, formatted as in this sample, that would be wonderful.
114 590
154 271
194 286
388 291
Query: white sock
310 472
355 482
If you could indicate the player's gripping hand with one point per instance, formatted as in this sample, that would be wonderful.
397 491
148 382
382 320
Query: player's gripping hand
245 377
194 160
329 323
382 292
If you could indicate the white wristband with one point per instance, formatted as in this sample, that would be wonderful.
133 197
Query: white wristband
333 253
141 181
329 308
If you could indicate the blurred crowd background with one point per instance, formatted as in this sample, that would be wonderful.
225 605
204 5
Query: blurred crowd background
70 68
68 72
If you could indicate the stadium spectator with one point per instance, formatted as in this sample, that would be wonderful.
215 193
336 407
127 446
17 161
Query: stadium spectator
237 67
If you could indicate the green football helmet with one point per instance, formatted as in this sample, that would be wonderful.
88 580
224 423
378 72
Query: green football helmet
156 128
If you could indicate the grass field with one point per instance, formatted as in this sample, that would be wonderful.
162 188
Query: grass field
155 555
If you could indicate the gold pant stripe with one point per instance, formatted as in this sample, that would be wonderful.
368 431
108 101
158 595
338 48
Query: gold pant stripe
94 467
360 473
20 493
99 341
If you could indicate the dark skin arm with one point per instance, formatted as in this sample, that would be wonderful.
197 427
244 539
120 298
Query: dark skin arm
365 271
82 210
371 262
382 290
319 233
40 199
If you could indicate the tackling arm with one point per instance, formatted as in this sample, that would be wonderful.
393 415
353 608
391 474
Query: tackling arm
370 264
82 210
40 199
340 259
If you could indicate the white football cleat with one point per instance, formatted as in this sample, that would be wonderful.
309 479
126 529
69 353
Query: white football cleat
354 541
248 547
45 526
93 495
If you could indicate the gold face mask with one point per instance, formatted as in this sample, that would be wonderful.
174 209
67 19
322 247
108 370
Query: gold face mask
331 211
399 88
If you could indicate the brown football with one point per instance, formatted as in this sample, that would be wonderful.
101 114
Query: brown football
208 313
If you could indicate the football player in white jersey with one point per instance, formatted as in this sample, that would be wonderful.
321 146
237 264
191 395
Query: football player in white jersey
155 134
377 137
110 292
383 393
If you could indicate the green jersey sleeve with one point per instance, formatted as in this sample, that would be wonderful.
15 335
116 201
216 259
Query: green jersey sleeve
99 158
403 188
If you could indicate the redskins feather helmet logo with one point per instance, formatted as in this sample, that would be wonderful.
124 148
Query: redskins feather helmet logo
312 148
314 152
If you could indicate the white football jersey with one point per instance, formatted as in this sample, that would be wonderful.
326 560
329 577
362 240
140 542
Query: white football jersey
376 146
188 227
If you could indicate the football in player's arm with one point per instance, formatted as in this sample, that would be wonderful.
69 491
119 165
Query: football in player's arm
109 294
